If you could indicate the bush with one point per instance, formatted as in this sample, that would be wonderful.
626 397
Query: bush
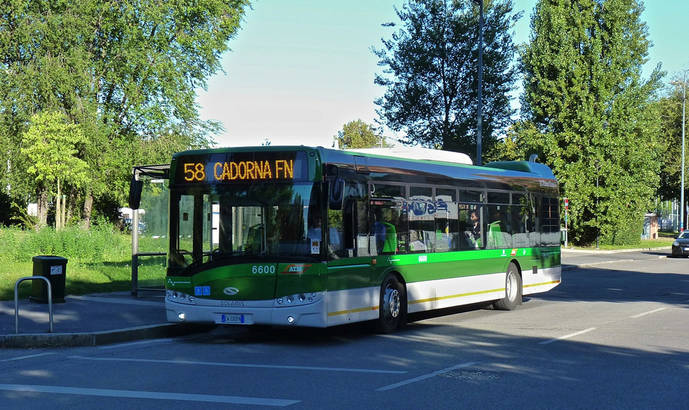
102 242
8 244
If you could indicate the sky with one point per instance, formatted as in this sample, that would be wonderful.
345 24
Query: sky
298 70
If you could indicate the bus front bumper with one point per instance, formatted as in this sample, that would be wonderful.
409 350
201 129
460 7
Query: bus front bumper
309 315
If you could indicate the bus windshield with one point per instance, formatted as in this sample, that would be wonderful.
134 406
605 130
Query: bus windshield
243 222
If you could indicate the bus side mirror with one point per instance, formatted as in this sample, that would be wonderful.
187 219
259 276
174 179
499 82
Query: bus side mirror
135 188
336 193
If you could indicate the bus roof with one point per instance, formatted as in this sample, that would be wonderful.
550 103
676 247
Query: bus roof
417 153
424 161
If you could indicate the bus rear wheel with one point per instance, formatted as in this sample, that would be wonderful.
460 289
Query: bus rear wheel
513 290
393 305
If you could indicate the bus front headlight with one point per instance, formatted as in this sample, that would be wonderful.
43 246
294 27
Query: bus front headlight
179 297
298 299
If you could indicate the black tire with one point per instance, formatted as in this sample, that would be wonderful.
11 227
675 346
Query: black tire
513 290
393 305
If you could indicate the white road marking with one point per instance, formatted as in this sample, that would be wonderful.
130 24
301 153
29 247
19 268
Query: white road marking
594 264
546 342
647 313
444 340
245 365
143 342
135 394
425 376
26 357
119 301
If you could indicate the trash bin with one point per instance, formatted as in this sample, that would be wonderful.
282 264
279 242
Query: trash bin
55 269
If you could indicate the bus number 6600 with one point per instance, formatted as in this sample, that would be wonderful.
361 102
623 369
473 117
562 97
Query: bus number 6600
263 269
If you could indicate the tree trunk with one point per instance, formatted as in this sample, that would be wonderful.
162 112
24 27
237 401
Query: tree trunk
58 207
42 209
71 201
88 207
69 206
63 217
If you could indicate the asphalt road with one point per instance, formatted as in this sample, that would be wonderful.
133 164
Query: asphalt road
615 334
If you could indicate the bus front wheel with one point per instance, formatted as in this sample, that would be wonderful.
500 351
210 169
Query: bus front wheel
393 305
513 290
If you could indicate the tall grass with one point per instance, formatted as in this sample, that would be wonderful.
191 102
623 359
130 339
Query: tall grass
97 244
99 260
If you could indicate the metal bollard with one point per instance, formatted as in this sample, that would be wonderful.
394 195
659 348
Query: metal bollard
16 301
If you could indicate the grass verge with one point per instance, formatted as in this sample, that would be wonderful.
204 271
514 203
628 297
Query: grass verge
84 278
661 242
99 261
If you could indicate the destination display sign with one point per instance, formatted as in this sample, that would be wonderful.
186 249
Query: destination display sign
241 167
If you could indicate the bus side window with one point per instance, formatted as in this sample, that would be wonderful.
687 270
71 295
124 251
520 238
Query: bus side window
340 231
421 211
550 223
446 221
345 225
498 232
363 244
336 233
471 226
389 218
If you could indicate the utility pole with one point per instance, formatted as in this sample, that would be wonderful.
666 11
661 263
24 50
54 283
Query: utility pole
684 103
479 110
682 208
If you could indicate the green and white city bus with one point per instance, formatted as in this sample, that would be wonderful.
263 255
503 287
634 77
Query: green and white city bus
310 236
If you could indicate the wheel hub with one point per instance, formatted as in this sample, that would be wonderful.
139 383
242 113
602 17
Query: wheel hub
391 302
511 286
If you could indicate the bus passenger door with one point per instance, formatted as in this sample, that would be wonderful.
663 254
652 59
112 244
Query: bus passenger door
349 269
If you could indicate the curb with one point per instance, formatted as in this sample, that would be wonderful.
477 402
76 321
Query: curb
599 251
29 340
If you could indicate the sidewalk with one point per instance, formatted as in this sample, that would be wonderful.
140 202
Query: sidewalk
89 320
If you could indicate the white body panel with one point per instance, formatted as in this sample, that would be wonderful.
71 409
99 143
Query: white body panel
542 281
443 293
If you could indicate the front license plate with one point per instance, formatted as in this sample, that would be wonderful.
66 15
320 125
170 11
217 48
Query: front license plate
234 318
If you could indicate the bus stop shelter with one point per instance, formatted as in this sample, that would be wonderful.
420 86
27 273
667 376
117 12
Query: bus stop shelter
148 197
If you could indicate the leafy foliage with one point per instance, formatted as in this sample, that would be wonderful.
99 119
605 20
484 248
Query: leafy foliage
124 71
358 134
590 115
430 72
51 145
670 114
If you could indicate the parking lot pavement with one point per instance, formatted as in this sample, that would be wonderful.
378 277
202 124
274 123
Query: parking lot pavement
87 320
574 258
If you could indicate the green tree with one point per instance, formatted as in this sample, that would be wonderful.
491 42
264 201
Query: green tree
589 114
430 72
126 71
670 109
358 134
51 145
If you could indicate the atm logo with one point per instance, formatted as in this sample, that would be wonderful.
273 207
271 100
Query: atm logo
295 269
